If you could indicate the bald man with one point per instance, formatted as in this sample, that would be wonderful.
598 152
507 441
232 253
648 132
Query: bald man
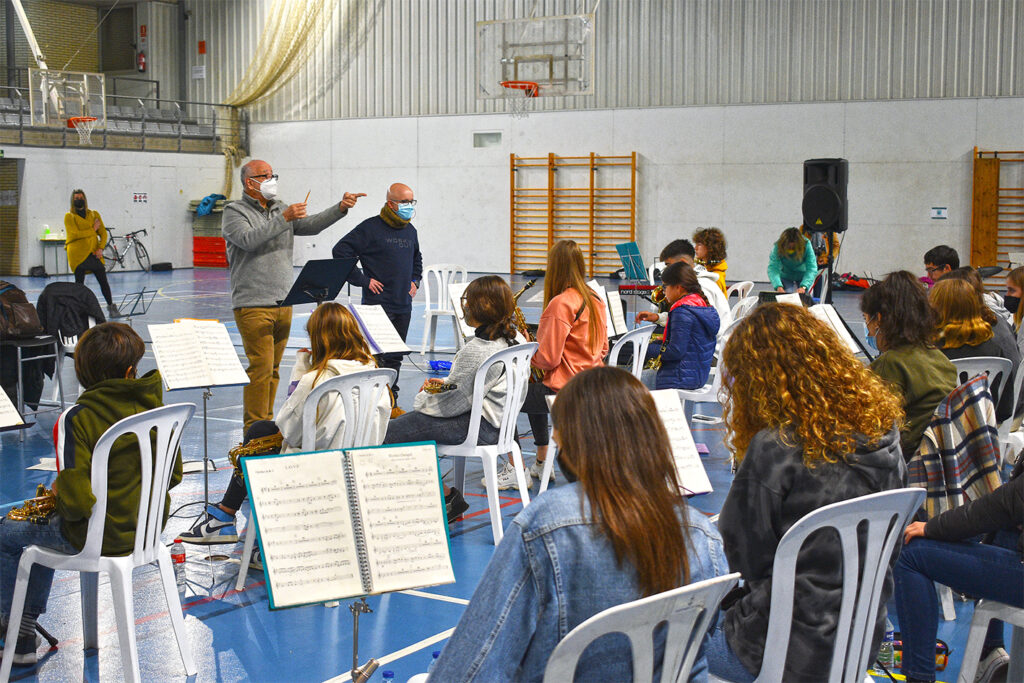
259 231
388 250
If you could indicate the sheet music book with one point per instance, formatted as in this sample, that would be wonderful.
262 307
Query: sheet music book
345 523
689 468
455 292
196 353
828 314
614 320
9 415
793 299
380 334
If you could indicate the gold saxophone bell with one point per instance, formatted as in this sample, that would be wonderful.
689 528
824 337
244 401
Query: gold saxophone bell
263 445
37 510
519 320
657 295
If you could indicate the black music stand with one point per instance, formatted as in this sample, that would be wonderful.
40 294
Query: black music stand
319 280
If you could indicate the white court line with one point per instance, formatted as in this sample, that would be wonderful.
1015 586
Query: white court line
387 659
435 596
224 419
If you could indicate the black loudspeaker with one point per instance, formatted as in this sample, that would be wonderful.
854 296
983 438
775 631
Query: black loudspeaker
824 205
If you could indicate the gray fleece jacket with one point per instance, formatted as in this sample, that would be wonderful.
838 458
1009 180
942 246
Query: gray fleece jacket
259 244
460 399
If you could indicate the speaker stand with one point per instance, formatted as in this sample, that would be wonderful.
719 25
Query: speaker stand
829 236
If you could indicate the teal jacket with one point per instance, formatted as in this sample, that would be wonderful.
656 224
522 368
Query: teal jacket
782 268
96 410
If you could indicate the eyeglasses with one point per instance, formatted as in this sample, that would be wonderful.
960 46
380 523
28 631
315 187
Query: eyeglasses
266 175
932 269
405 202
463 299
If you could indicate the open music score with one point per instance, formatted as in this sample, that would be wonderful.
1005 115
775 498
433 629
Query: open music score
614 319
338 524
455 292
689 468
380 334
196 353
828 314
10 418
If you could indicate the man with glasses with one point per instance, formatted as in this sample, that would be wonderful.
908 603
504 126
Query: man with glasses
940 260
259 232
388 250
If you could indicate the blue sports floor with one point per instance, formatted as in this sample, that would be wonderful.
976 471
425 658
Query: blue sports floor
234 636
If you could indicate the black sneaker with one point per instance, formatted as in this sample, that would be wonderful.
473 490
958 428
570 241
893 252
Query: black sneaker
454 505
25 650
256 559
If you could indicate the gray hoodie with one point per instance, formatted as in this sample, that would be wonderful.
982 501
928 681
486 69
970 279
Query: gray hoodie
772 490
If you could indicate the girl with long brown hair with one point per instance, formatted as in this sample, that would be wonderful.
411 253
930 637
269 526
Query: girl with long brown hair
967 328
441 409
573 337
337 347
809 425
621 530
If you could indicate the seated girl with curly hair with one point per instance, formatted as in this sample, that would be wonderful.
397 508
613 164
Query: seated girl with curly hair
809 425
709 245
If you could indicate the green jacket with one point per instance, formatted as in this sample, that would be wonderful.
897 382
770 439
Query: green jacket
781 267
96 410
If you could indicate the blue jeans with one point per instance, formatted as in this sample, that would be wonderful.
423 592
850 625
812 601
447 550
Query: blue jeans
722 661
981 571
790 286
14 538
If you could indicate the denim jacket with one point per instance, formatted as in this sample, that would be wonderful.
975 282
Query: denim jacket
553 570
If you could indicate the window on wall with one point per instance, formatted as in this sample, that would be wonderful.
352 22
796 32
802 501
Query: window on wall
117 39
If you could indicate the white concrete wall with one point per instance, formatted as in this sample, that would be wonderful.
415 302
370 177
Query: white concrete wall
109 179
738 168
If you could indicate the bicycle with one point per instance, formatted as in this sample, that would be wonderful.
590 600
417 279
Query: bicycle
112 256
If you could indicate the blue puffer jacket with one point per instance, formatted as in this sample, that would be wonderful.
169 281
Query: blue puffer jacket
686 360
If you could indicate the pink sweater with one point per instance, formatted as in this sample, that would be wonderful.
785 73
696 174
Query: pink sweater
564 341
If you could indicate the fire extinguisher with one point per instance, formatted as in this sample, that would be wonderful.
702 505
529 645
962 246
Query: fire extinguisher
142 62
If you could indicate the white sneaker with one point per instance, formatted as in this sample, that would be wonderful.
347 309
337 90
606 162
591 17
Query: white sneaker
537 470
994 667
507 478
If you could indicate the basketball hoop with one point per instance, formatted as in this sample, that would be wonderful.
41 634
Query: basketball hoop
84 125
517 94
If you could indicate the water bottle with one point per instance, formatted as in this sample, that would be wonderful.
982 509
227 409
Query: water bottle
885 653
178 560
388 676
433 660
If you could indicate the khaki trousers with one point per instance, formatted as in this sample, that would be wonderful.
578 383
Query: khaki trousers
264 335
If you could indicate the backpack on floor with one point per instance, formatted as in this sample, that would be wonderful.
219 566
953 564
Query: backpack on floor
18 318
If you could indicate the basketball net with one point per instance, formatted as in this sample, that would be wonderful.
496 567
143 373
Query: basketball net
517 94
84 125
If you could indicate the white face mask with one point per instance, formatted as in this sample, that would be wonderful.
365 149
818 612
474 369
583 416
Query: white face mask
268 188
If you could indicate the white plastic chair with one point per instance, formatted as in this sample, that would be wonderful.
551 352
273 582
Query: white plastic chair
743 307
1012 443
639 339
985 611
66 347
438 305
998 370
687 611
360 392
884 516
822 276
656 266
516 362
742 290
167 423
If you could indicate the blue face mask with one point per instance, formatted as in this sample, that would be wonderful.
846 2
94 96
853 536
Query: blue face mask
871 343
406 211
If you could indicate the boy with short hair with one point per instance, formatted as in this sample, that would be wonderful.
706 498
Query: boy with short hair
940 260
106 362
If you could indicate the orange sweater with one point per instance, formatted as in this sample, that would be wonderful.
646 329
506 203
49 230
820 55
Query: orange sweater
564 341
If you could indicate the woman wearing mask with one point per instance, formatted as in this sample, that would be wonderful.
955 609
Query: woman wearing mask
85 238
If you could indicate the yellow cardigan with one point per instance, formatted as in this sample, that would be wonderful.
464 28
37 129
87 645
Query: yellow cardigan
81 240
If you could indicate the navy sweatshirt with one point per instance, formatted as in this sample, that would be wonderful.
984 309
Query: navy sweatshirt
389 255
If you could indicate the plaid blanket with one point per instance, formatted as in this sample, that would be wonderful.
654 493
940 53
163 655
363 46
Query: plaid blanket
958 459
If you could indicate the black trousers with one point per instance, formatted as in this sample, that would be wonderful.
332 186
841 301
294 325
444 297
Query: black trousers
536 408
394 360
94 265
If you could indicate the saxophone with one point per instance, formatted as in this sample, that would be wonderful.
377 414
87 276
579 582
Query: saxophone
37 510
519 320
262 445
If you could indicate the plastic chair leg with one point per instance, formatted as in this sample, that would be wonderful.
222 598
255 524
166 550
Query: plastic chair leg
17 608
524 483
124 616
457 332
1016 672
170 585
89 584
426 331
549 467
250 542
459 472
490 463
946 601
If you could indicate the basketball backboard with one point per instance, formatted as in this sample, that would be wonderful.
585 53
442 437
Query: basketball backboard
556 53
55 96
